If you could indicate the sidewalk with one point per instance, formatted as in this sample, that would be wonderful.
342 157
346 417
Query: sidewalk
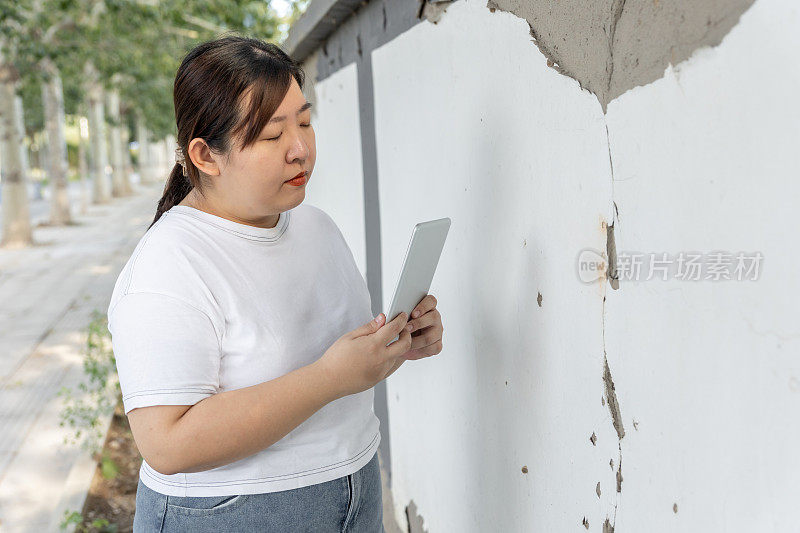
47 295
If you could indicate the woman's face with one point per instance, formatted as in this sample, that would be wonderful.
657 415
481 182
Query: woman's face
252 183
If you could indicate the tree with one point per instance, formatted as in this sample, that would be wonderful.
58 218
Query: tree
16 226
114 60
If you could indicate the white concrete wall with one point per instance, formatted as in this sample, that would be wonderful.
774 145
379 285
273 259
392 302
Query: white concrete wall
707 158
337 182
472 124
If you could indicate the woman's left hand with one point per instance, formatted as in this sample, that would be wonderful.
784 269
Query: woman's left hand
426 332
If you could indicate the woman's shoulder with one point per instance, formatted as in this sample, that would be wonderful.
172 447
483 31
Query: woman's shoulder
317 217
167 260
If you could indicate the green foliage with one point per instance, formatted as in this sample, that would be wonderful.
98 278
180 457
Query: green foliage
99 525
71 517
98 397
136 45
108 468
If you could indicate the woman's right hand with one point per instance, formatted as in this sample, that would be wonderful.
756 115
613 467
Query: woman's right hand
358 360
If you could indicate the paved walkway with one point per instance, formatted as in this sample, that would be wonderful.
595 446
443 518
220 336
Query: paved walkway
47 295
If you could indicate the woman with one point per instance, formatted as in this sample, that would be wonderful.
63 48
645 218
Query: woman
251 408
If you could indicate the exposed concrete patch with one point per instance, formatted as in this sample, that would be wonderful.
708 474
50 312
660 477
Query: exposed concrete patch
597 489
539 299
432 9
585 523
611 251
611 398
415 522
611 46
611 244
608 527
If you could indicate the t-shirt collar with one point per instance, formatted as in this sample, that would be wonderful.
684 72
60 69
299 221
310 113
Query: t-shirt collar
242 230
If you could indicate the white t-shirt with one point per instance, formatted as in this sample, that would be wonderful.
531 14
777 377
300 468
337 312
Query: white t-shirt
207 305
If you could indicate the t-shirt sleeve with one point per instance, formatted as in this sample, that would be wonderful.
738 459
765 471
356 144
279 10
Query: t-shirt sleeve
166 350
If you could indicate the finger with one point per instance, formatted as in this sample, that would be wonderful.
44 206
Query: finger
431 318
427 351
425 305
423 339
400 346
392 329
426 337
370 327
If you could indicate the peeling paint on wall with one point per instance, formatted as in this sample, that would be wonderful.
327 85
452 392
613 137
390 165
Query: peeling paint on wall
611 251
610 394
611 398
610 46
432 11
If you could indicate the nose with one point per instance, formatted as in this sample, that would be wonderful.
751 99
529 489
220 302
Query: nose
298 150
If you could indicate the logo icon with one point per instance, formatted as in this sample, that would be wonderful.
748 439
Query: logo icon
591 265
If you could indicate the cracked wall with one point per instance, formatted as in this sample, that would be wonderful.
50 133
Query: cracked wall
610 46
541 402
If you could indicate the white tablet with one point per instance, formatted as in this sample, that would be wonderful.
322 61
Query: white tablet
419 265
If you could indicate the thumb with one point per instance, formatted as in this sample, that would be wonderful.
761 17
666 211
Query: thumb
370 327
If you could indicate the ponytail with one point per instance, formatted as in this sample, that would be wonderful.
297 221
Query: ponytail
176 189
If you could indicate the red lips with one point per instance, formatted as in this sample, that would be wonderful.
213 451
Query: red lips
303 173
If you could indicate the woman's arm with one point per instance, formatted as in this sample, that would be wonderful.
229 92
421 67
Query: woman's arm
230 425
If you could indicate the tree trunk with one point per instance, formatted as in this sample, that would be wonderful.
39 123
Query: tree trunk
126 158
23 150
58 167
83 171
117 160
145 165
97 138
16 213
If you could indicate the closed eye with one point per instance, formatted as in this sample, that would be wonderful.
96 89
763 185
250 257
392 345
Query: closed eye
278 137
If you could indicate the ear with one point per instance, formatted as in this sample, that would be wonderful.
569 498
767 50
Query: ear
201 156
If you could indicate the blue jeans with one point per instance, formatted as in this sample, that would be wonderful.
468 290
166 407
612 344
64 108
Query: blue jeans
349 504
